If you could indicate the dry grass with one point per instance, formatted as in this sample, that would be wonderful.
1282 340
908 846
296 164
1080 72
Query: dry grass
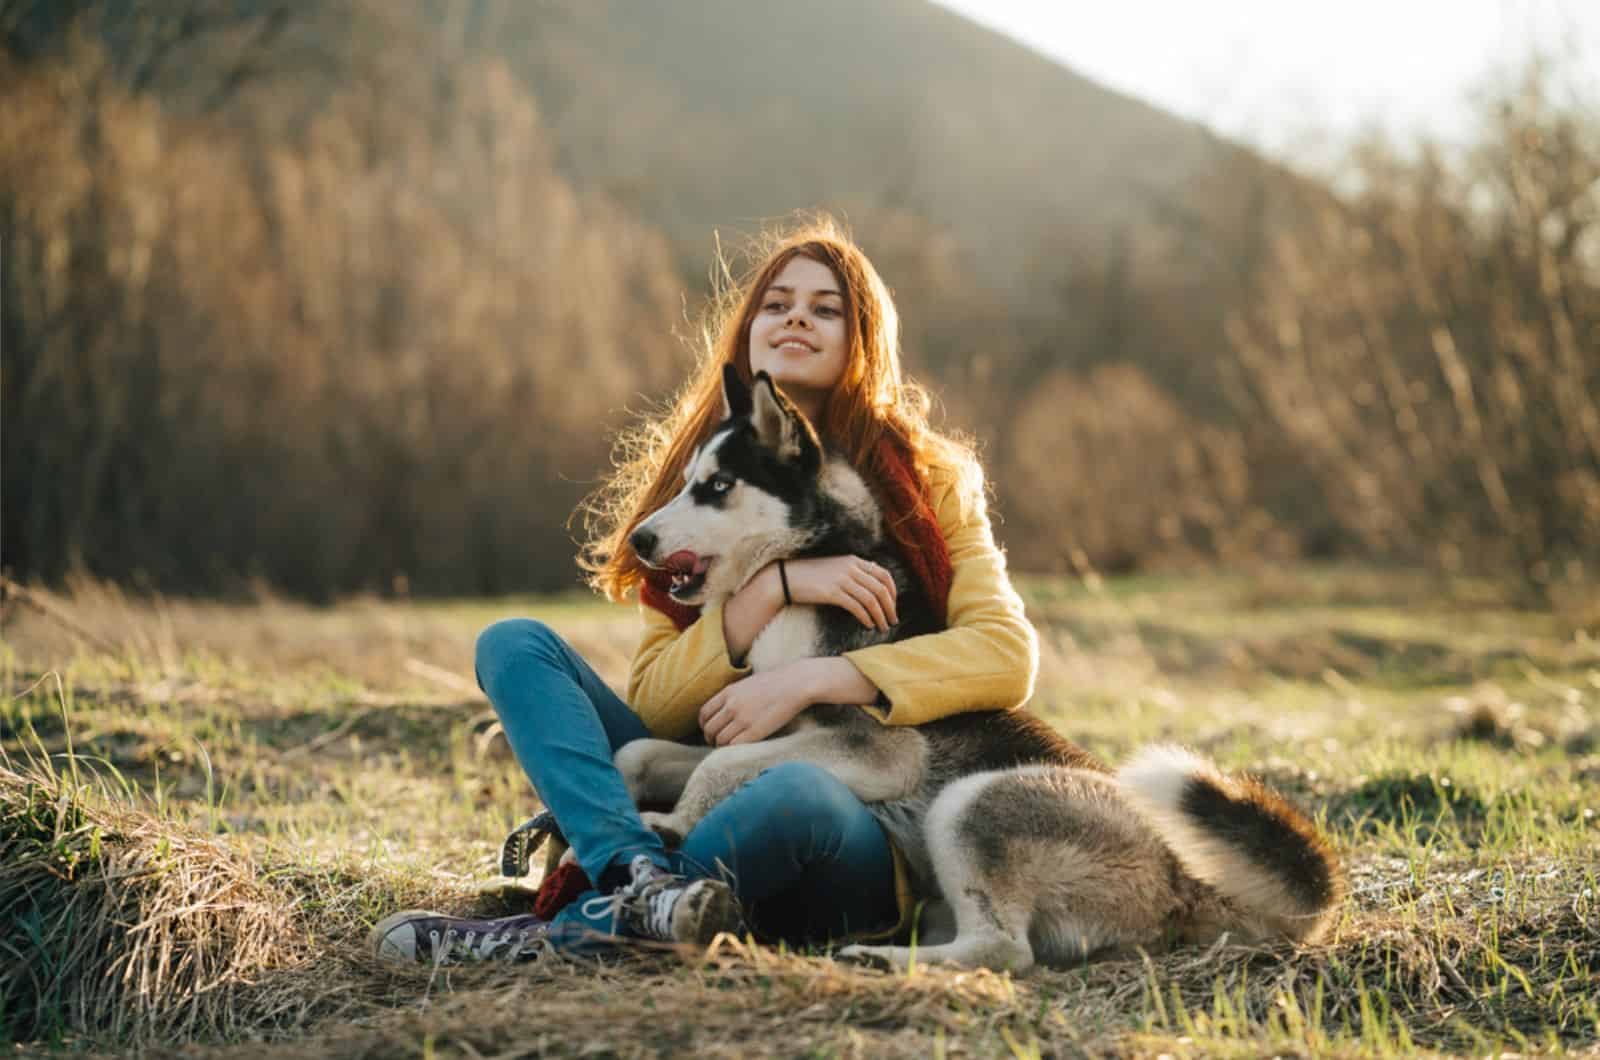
129 926
241 801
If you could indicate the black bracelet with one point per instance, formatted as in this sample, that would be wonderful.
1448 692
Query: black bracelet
788 601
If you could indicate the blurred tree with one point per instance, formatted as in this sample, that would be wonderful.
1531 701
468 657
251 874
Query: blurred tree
334 351
1430 349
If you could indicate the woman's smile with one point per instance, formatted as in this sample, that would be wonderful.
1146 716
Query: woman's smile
798 334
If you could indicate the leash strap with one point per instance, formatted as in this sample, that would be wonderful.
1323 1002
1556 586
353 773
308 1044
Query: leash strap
518 849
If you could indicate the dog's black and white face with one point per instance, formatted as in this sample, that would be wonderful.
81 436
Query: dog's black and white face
743 495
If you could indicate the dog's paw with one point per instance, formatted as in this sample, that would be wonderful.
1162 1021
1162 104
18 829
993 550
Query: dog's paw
670 827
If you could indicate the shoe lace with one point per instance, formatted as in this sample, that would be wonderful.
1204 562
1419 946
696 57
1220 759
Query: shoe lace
523 938
516 940
651 888
659 904
604 905
468 946
448 947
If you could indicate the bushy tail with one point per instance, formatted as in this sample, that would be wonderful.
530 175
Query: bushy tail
1240 837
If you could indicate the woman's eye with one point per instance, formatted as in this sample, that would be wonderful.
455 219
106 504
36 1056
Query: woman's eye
827 310
774 307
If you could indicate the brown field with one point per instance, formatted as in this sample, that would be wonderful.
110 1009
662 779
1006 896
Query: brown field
203 807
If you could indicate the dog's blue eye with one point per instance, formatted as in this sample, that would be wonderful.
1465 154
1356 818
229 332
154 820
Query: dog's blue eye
721 485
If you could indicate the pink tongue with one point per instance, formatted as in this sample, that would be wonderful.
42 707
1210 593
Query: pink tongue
683 560
701 564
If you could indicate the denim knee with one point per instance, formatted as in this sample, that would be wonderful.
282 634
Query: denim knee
502 640
805 790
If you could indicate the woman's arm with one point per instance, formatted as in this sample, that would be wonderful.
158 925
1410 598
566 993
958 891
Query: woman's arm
986 659
749 610
674 673
858 585
761 704
988 656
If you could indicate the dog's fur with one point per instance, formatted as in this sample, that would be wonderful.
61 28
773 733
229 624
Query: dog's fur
1041 853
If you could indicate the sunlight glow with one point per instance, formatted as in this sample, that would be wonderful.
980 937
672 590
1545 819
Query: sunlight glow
1281 75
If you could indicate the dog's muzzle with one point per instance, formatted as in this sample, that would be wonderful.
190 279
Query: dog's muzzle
644 543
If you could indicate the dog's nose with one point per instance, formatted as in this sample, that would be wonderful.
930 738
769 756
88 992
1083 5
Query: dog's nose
643 541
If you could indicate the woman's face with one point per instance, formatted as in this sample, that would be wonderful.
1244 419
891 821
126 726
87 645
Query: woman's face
798 334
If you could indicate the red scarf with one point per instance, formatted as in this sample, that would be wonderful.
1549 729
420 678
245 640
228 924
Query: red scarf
912 524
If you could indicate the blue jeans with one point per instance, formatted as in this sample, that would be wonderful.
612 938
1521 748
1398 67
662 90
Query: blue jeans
804 856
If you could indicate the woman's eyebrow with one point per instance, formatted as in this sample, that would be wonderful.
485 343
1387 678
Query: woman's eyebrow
790 290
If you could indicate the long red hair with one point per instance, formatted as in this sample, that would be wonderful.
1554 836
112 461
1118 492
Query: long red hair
872 401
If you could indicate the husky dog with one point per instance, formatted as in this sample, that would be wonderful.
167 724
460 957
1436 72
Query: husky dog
1038 851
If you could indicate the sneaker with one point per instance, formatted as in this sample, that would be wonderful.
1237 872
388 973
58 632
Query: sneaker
422 937
655 904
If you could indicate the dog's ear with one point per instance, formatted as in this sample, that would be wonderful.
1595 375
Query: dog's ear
779 425
735 395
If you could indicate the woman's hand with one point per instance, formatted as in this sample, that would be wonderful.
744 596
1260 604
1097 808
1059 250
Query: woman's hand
757 706
859 586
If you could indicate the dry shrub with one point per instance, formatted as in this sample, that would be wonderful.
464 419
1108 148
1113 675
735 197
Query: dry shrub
1114 473
1429 349
350 336
124 926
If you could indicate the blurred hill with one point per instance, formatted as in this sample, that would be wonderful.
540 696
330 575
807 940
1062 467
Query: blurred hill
724 112
1023 214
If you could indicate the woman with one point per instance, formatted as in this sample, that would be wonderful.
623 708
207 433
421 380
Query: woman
794 849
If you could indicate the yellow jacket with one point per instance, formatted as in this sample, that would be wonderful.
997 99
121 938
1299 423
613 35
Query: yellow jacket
986 659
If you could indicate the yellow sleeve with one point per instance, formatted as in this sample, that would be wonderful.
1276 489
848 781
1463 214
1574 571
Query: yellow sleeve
674 673
988 656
